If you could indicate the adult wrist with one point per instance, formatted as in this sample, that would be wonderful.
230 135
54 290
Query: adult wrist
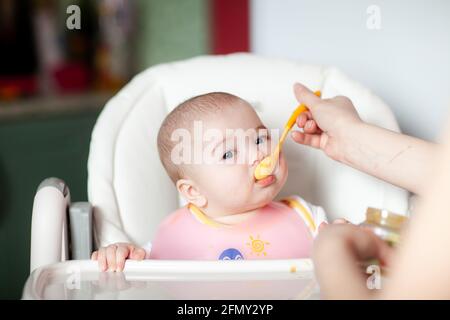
349 143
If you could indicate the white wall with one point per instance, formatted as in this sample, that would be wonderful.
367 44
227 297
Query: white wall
406 62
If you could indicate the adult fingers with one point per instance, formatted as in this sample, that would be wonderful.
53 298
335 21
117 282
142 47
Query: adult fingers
137 254
312 140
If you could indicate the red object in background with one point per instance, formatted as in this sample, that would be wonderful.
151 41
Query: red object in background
13 87
71 77
230 26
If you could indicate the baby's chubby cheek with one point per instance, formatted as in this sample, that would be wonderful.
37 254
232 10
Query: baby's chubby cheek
219 180
233 179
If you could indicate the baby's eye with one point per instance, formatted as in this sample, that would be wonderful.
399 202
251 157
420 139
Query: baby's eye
261 139
227 155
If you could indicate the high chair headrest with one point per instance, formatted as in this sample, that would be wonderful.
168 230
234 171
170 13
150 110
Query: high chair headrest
129 187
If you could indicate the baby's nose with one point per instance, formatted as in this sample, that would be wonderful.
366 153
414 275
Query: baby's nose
258 157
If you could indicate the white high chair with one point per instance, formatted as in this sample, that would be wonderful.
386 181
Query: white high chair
130 192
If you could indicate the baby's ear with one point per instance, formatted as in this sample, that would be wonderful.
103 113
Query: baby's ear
191 193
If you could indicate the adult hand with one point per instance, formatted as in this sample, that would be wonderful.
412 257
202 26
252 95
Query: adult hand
326 124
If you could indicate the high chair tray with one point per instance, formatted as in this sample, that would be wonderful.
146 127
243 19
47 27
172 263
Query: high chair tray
181 279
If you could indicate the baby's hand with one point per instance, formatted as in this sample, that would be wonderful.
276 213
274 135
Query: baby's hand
337 221
113 256
341 221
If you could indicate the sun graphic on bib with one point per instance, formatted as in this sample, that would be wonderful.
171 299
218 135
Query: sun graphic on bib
258 246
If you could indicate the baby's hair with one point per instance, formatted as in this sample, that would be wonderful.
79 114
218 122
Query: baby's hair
183 116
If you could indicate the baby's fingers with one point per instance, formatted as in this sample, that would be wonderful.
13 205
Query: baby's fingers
341 221
94 255
121 255
137 254
111 257
101 257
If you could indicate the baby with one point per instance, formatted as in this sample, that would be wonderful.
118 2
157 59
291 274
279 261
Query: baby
230 215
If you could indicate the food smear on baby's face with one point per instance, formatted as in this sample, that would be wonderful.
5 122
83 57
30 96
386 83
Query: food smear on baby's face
265 167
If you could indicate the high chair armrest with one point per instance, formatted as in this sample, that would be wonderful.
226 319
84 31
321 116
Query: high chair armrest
59 230
49 223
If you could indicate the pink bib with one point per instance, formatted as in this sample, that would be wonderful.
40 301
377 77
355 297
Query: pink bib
277 231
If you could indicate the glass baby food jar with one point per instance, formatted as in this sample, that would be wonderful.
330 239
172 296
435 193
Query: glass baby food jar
385 224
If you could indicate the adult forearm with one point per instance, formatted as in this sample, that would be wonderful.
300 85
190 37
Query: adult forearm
393 157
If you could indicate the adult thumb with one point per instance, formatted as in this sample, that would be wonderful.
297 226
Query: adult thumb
306 96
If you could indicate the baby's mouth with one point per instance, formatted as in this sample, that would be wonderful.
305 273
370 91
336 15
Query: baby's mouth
267 181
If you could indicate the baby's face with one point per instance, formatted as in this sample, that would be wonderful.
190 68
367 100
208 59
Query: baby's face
238 142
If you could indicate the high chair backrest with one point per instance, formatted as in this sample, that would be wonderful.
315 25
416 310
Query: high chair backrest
129 187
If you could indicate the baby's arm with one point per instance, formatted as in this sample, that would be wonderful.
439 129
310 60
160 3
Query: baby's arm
113 256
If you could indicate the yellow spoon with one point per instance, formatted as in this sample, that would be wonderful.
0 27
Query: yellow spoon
267 165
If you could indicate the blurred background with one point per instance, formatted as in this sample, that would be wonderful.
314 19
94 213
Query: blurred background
55 80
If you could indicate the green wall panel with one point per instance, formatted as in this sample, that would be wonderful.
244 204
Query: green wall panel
171 30
31 151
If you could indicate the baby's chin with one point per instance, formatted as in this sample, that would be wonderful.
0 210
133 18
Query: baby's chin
264 196
257 199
